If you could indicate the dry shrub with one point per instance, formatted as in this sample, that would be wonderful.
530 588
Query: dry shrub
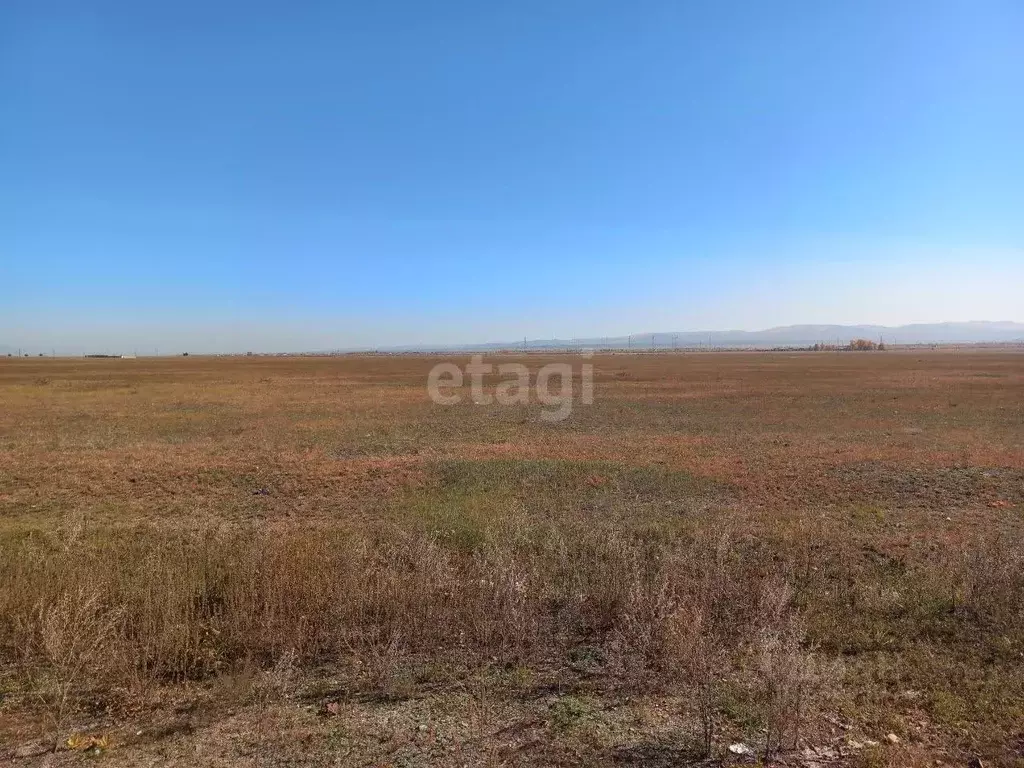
689 606
640 614
385 670
992 576
700 631
67 648
192 605
787 675
701 663
505 614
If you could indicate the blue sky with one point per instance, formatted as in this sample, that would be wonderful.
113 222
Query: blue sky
270 175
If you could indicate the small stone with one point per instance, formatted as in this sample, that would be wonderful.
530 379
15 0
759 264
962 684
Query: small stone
31 750
421 727
892 738
740 748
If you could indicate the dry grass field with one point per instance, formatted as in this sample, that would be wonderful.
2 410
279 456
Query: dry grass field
304 561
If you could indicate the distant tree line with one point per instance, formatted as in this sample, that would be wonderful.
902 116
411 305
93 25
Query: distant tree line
855 345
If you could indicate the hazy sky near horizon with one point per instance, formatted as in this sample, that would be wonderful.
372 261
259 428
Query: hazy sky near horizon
272 176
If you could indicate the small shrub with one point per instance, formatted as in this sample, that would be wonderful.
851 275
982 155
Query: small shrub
569 712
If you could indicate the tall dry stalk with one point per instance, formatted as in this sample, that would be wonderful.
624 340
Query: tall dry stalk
72 636
787 673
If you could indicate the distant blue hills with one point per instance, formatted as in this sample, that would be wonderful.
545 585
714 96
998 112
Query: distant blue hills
973 332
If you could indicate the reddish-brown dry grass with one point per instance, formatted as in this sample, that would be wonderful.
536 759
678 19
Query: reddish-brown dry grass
237 531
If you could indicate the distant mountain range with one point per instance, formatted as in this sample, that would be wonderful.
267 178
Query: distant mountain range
975 332
783 336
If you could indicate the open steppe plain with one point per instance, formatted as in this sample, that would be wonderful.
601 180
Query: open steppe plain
803 558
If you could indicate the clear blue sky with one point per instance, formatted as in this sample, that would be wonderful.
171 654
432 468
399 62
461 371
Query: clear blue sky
301 175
